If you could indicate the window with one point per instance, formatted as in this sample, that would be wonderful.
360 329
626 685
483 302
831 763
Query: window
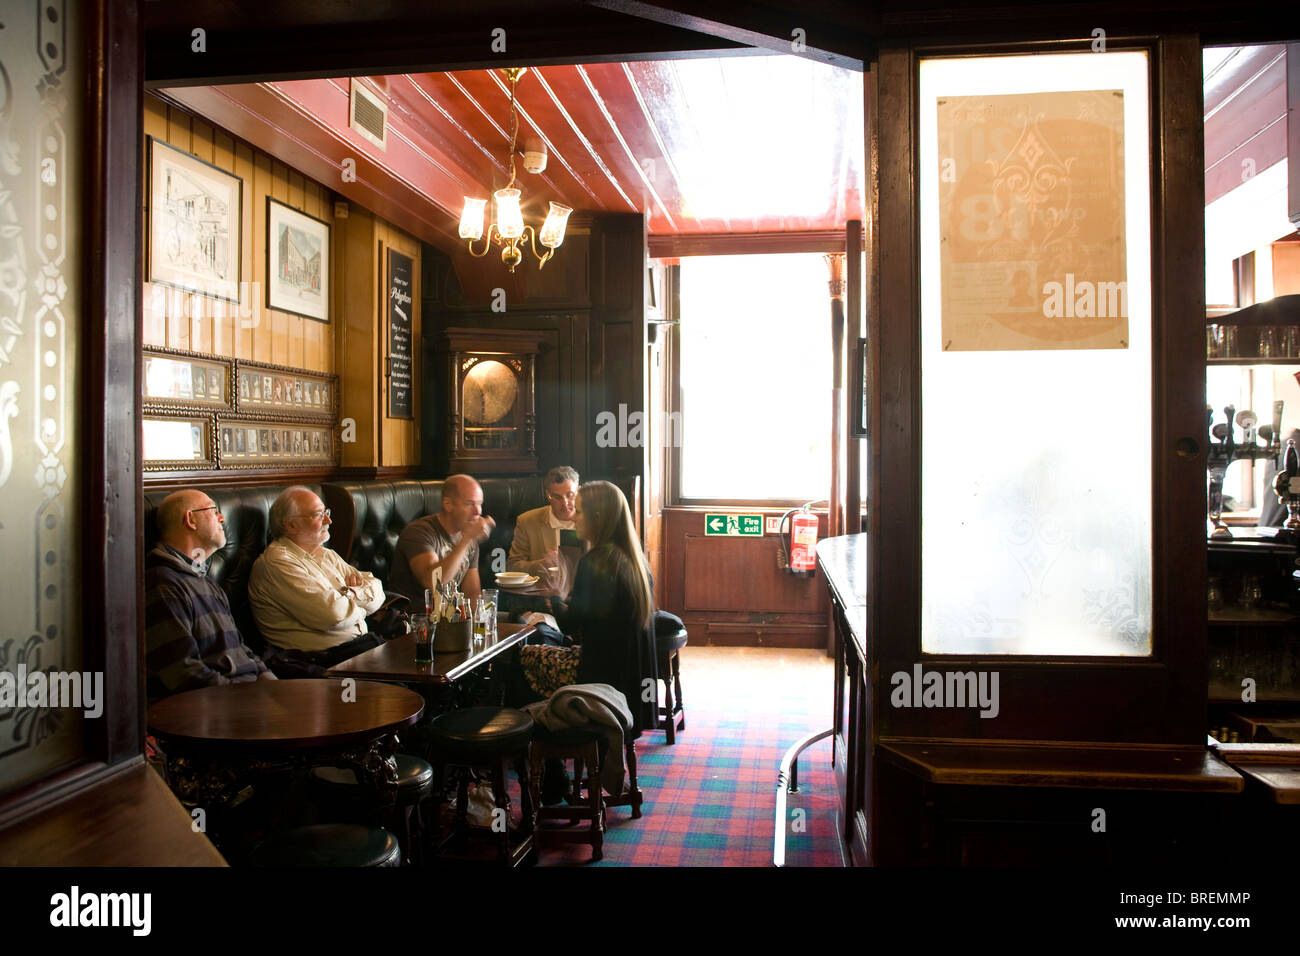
755 416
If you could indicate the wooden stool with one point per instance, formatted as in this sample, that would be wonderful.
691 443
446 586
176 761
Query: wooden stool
330 844
414 786
491 738
582 746
668 644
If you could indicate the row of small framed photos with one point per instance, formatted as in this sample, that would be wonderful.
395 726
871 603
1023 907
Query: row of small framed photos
274 443
261 389
178 381
213 442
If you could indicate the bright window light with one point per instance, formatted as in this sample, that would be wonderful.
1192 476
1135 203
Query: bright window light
755 377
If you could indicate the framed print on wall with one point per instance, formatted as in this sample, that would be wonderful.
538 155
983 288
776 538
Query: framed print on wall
194 223
297 262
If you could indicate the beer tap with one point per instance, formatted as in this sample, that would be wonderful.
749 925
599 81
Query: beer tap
1287 486
1226 450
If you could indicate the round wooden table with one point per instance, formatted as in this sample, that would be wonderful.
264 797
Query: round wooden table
217 740
290 714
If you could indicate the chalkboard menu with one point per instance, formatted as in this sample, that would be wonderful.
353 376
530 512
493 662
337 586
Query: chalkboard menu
399 335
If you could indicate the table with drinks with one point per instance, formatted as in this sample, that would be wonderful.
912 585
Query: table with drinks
451 639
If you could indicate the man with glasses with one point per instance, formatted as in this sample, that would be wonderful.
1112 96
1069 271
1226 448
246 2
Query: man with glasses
538 533
190 636
309 603
448 540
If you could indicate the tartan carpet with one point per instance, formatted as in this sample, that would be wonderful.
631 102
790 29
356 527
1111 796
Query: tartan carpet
710 799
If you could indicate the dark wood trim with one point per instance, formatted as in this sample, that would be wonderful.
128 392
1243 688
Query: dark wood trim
1178 377
1162 696
112 332
1243 280
1293 131
826 41
744 244
244 479
852 331
245 45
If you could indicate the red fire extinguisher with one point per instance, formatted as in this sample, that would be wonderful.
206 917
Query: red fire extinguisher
800 542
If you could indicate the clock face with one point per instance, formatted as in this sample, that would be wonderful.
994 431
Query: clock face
490 393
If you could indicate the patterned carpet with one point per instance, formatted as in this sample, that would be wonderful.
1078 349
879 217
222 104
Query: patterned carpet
711 798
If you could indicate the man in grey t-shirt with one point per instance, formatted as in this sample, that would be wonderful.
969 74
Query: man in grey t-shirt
448 540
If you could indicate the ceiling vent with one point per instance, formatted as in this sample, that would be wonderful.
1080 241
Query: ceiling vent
369 115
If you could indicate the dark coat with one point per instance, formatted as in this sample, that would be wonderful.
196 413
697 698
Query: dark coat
616 649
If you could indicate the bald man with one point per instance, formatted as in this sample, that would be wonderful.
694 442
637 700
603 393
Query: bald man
448 540
310 604
190 636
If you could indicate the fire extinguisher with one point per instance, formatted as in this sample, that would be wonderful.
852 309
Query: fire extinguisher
799 543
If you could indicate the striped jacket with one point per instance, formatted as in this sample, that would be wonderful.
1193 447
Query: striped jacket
190 636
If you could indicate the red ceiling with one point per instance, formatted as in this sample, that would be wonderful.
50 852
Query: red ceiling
734 146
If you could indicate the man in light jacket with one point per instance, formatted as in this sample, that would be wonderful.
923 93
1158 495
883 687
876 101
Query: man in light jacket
309 603
536 545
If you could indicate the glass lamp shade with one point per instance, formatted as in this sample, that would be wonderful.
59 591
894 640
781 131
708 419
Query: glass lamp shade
510 221
552 234
471 219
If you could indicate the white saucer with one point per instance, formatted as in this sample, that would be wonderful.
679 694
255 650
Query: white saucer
517 583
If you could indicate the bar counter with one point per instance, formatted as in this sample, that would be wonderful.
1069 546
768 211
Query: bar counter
970 800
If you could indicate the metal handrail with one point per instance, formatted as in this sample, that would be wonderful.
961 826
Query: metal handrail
789 772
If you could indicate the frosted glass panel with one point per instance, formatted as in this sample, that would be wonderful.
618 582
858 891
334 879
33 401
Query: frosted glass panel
1036 442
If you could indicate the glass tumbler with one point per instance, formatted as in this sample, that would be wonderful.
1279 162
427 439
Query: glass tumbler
423 629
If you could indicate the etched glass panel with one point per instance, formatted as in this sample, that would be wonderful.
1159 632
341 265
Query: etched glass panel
40 325
1035 355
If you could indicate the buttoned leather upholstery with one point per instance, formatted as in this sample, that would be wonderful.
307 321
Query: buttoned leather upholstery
369 516
247 512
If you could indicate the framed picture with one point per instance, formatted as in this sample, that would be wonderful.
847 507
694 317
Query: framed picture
277 391
176 380
178 444
194 223
297 262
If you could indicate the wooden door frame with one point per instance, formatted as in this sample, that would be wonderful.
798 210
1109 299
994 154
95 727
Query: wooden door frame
1158 700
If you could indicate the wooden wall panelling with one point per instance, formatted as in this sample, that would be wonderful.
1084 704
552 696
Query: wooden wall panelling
199 321
253 314
282 324
263 332
730 591
221 329
355 334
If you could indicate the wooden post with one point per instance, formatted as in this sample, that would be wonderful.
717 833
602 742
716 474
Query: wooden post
852 332
834 512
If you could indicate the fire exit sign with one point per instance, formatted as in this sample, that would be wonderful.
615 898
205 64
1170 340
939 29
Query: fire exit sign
744 526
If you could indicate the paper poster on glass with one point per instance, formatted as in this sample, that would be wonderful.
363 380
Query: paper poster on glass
1031 205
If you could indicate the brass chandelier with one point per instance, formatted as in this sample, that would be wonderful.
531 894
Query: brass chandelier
507 228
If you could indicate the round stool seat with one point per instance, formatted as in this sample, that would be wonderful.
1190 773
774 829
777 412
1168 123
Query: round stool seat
413 774
480 732
671 640
330 844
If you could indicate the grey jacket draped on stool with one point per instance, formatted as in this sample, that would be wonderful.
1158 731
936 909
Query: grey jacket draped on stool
602 708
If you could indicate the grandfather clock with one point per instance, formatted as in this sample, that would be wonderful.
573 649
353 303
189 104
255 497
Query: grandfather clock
491 383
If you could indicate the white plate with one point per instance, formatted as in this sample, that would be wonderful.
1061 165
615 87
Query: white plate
511 581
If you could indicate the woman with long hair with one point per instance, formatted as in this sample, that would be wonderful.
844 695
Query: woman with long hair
610 614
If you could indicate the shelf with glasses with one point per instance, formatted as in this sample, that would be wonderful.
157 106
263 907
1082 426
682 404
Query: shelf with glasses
1267 333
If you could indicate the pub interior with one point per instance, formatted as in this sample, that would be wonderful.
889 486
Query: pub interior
880 328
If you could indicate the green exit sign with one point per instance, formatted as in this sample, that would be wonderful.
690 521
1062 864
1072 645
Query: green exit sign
735 525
